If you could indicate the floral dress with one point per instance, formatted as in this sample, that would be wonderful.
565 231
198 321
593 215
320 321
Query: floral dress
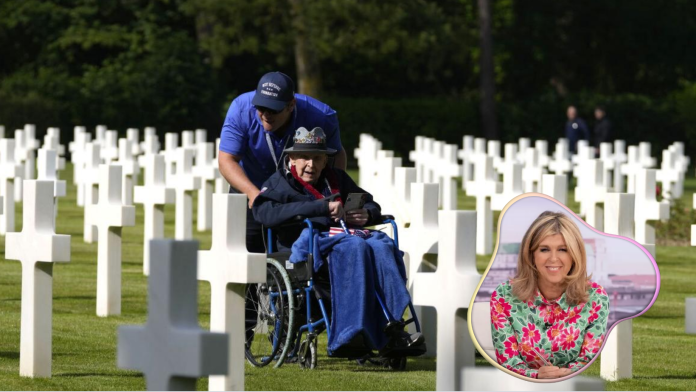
566 336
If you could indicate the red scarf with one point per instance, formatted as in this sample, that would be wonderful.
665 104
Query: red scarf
329 175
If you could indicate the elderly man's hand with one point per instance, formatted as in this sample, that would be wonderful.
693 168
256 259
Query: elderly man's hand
336 210
357 217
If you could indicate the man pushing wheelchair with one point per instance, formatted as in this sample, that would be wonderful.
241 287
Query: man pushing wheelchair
368 294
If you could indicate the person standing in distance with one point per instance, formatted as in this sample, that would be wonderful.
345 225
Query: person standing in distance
259 125
575 129
602 128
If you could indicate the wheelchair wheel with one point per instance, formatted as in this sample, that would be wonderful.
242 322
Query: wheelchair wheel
398 364
308 360
273 303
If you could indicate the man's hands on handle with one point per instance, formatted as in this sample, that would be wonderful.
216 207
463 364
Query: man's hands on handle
553 372
232 171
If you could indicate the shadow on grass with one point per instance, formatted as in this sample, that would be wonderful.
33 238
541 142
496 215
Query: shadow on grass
133 375
83 297
9 354
669 376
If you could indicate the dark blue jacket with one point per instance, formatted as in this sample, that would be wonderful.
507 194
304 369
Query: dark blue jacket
575 130
283 198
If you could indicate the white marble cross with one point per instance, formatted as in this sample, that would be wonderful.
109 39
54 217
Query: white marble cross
229 268
201 136
617 354
100 134
152 132
493 151
221 185
51 142
418 240
31 144
644 156
109 151
456 279
130 171
171 350
184 183
556 186
670 175
608 166
417 156
206 169
466 154
78 157
619 156
449 170
512 185
523 144
149 147
47 172
484 186
366 155
690 315
37 247
647 206
153 196
9 170
403 178
532 171
90 180
542 147
188 139
561 163
383 181
630 168
109 216
133 136
21 155
590 192
171 143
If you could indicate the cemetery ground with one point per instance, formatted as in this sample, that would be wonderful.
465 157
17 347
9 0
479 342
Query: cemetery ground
84 345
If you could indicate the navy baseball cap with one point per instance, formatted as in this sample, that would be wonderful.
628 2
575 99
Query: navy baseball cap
274 91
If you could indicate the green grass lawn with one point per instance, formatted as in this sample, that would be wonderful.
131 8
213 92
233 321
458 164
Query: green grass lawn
84 345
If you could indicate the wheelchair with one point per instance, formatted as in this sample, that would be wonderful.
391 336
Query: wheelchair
291 312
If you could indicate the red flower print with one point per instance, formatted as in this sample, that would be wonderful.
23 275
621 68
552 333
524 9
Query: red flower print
558 312
534 358
501 307
499 357
554 333
594 310
546 312
511 347
574 314
498 321
531 334
570 335
590 345
599 289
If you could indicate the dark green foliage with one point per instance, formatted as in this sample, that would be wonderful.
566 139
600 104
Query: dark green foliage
391 68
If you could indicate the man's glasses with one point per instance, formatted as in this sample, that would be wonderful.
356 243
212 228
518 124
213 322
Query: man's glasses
265 110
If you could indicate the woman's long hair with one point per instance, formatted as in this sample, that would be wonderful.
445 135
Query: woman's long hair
525 283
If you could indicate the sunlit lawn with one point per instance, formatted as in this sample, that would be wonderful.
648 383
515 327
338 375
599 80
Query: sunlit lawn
84 356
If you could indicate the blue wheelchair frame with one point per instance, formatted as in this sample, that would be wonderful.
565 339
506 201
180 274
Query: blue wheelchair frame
310 327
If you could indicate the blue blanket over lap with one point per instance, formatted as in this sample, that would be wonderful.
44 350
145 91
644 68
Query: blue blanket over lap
358 268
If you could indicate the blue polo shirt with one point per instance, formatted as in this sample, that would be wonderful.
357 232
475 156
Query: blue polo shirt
243 134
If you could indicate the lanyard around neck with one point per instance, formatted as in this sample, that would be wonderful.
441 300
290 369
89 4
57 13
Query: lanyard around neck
272 149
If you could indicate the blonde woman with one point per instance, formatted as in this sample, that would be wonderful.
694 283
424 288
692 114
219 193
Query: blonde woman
549 320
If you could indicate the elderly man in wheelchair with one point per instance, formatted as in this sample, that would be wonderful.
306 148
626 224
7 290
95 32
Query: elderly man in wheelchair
356 277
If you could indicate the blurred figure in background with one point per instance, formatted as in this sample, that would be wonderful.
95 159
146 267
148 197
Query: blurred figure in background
575 129
602 128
